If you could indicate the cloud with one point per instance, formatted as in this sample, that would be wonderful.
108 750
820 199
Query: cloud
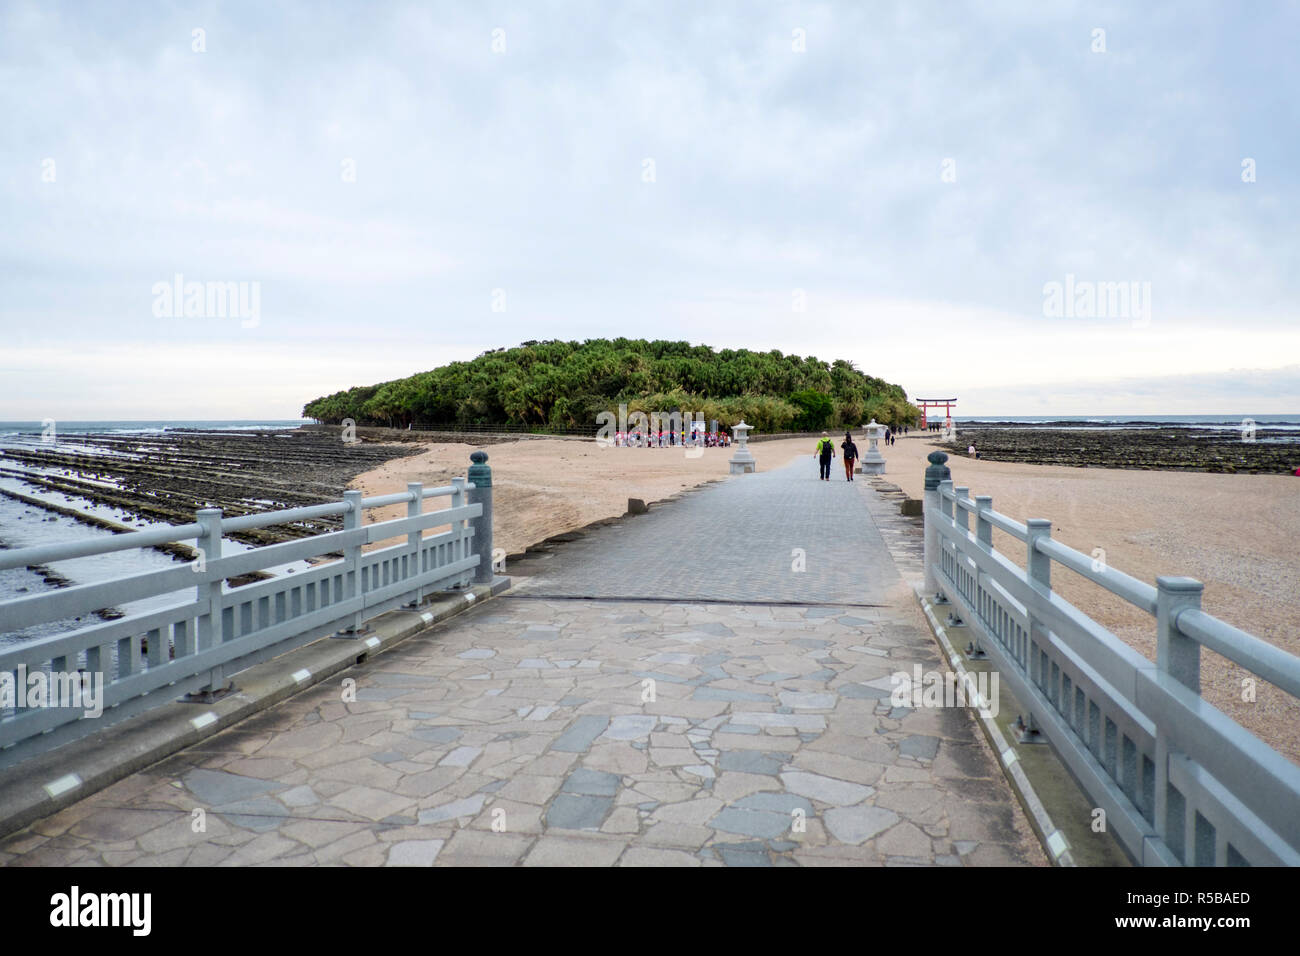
775 170
1233 392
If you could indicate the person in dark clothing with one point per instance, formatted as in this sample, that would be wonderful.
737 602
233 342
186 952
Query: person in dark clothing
850 454
824 453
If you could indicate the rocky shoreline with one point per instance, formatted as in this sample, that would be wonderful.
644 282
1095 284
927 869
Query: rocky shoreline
168 477
1163 449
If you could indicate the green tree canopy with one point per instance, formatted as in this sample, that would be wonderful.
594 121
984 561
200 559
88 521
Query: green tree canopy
815 410
555 384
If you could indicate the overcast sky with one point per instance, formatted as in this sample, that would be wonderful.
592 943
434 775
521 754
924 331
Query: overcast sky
407 185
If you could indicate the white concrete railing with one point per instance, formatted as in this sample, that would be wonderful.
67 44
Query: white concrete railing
211 630
1180 781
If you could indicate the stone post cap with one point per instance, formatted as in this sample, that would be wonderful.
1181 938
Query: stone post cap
937 471
480 472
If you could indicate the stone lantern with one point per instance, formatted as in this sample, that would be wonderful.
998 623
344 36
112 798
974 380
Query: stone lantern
873 463
742 462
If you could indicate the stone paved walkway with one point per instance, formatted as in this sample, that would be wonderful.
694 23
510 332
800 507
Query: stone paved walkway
738 540
643 727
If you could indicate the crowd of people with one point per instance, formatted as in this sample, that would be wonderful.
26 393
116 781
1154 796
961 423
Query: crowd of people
668 439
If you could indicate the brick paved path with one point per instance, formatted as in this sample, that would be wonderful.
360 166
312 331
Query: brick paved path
541 730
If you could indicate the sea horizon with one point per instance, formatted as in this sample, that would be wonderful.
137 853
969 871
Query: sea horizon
127 425
155 425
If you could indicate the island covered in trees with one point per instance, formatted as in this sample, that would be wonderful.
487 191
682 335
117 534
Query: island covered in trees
565 385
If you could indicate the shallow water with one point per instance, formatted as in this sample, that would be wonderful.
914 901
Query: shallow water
23 526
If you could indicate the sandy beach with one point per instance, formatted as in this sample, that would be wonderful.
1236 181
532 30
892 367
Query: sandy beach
545 487
1235 533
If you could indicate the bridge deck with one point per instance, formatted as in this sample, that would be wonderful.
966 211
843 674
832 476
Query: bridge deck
519 731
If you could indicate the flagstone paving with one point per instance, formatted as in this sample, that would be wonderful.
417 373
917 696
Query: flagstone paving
543 730
740 540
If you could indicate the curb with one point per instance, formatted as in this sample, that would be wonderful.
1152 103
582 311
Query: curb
1054 842
55 780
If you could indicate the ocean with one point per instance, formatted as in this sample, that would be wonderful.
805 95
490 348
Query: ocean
17 430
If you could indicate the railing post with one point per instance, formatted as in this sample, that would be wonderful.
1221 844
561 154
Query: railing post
962 517
1180 657
459 548
1038 566
983 527
1176 654
211 626
1038 570
934 474
945 514
480 475
414 508
984 535
352 556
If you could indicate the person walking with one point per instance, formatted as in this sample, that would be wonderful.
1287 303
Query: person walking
824 453
850 454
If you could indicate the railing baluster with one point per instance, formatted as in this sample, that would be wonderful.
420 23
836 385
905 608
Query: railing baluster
127 651
156 646
183 638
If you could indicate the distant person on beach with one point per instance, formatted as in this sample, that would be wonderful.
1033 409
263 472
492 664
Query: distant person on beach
850 454
824 453
972 452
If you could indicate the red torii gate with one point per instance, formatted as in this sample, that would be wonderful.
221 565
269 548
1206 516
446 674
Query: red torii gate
927 403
